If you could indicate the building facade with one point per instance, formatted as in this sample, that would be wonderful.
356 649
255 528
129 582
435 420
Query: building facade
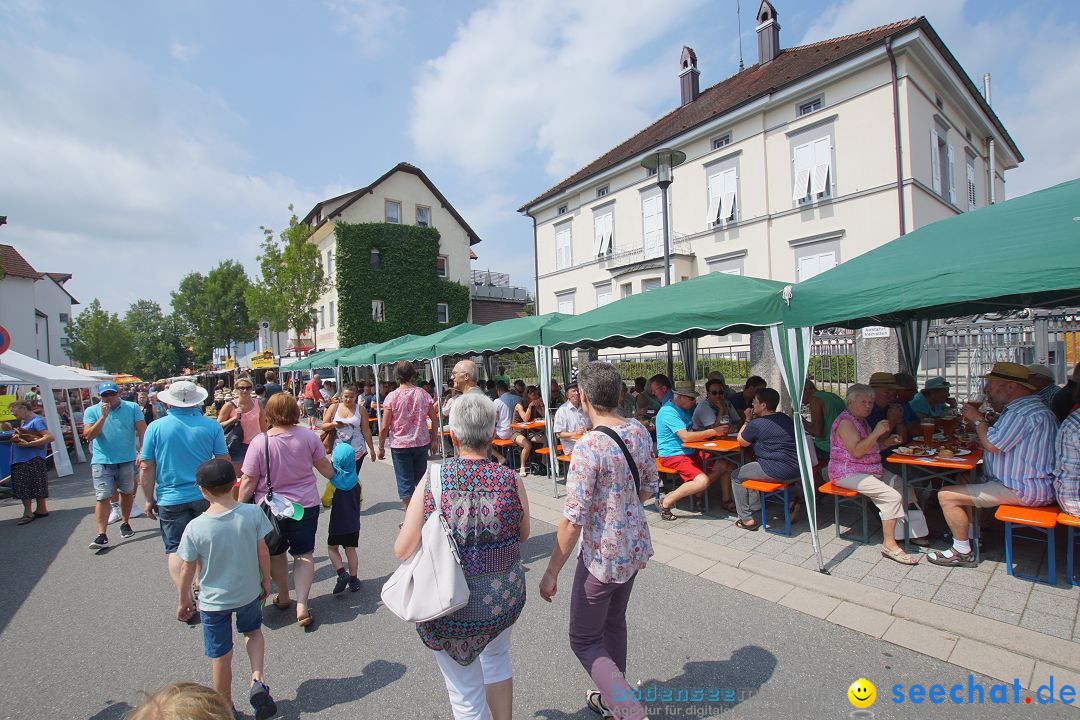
810 157
35 308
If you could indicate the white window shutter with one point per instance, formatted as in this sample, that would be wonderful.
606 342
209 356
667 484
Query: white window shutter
715 185
651 219
598 235
727 197
822 166
563 257
935 160
952 176
804 163
609 231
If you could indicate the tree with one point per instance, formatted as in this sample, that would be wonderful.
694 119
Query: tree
100 338
158 349
212 309
292 279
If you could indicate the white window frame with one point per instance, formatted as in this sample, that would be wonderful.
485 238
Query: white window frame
333 319
562 209
726 266
723 184
446 266
565 302
816 250
564 246
602 191
378 310
650 284
652 240
387 204
722 141
603 231
942 164
330 263
650 172
603 294
809 106
418 222
375 253
626 290
812 170
442 313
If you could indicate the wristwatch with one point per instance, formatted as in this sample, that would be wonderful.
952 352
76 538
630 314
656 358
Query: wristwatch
978 423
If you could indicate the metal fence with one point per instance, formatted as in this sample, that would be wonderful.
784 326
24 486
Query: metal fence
833 359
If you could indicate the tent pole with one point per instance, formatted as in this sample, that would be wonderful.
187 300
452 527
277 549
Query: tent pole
74 430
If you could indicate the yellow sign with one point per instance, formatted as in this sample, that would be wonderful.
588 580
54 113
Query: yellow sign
230 364
5 400
265 359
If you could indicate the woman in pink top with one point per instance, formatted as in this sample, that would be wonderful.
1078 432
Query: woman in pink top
407 412
293 452
247 411
855 464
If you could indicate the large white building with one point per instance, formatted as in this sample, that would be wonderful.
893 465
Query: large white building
809 157
35 308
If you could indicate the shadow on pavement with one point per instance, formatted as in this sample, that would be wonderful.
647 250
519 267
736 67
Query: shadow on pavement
316 695
347 605
114 711
381 507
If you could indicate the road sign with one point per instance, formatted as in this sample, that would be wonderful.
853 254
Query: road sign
5 339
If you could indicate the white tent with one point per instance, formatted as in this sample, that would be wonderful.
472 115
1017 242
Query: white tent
30 371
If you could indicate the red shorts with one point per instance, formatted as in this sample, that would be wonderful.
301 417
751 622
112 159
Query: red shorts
688 466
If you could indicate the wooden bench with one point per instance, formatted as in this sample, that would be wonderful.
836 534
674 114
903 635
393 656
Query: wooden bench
510 455
1071 522
770 490
1040 521
841 495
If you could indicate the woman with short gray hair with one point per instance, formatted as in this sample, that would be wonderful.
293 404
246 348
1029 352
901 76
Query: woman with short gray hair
487 509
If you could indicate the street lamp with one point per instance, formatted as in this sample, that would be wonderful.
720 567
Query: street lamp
662 161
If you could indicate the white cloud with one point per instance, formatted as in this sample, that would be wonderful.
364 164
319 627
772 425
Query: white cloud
562 79
184 51
124 178
371 22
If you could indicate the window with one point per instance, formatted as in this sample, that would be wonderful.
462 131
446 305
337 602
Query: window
808 107
603 227
322 317
813 171
393 212
378 311
603 294
564 256
376 259
441 266
652 225
650 284
815 258
626 290
330 263
728 266
722 196
649 172
942 163
442 313
601 191
423 216
332 321
972 198
562 209
63 317
566 303
722 141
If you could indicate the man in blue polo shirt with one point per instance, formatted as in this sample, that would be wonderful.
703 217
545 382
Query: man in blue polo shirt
114 428
172 450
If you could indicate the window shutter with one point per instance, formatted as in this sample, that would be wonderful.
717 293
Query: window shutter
651 219
715 186
971 185
804 163
935 160
952 176
822 166
563 257
727 198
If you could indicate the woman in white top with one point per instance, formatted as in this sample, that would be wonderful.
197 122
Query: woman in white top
348 419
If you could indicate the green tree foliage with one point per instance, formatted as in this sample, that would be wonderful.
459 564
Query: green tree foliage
158 349
211 308
405 280
292 279
100 338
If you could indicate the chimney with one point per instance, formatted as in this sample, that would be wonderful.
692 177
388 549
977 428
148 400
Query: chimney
768 33
688 75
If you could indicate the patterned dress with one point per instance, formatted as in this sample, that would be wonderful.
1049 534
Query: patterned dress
481 505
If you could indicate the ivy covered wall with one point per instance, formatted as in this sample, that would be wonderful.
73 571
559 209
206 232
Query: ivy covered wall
406 282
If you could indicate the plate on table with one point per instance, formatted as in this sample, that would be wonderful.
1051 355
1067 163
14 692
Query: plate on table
939 437
954 454
912 451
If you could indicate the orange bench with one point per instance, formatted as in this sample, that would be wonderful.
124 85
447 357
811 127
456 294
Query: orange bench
769 490
841 495
1041 521
1072 522
500 443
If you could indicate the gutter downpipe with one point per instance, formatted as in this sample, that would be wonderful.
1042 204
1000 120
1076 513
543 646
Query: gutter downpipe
896 136
989 142
536 270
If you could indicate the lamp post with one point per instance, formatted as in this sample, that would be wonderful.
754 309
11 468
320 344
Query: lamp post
662 161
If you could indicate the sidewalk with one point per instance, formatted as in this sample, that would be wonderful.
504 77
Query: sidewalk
978 618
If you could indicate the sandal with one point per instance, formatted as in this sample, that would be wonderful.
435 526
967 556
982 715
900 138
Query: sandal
899 556
304 620
286 606
921 541
951 558
665 513
41 514
26 519
752 528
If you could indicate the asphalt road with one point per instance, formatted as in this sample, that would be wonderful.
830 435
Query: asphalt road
82 633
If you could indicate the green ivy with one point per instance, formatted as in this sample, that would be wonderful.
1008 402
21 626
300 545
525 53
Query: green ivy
407 283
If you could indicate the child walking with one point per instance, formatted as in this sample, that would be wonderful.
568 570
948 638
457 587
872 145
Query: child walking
344 531
228 541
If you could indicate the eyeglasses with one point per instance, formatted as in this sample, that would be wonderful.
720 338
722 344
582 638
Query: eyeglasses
716 392
243 387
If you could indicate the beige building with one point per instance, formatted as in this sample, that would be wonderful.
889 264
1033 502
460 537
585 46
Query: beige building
809 157
402 195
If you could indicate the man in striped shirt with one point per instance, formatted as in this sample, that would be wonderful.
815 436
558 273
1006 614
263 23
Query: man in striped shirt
1018 459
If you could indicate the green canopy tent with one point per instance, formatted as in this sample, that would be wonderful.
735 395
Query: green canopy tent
360 355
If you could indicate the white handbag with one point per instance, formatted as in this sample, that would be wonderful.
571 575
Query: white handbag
431 583
918 524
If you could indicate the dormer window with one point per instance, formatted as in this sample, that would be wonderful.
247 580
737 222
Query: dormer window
808 107
722 141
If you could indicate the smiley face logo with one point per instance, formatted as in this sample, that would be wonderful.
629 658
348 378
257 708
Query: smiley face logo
862 693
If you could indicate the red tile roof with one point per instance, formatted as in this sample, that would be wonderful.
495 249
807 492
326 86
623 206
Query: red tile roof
791 65
15 265
60 278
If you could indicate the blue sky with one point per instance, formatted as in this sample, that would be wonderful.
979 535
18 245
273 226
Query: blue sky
143 139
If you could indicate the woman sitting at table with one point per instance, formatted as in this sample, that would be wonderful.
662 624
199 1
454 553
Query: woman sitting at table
530 409
855 464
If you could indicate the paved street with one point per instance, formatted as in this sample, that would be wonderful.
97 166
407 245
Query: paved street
81 634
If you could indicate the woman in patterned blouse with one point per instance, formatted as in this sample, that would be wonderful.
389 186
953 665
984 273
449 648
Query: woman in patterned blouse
487 510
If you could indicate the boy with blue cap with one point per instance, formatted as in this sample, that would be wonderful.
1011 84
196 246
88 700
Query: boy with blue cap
344 531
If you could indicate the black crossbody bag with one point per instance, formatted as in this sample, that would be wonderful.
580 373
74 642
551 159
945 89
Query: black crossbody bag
626 452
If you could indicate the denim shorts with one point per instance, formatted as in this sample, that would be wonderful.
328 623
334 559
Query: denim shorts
238 453
217 627
410 464
112 477
172 519
298 536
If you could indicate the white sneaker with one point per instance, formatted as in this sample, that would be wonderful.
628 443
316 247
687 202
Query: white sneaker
136 511
114 514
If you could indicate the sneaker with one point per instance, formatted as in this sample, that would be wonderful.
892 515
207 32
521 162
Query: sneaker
100 542
136 511
114 513
261 702
126 531
354 584
342 582
596 704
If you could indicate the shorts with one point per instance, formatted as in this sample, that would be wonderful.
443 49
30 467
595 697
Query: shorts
238 453
309 408
988 494
410 464
173 519
687 466
344 539
112 477
298 536
217 627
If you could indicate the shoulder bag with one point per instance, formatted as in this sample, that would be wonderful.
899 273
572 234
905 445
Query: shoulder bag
626 452
274 537
234 434
431 583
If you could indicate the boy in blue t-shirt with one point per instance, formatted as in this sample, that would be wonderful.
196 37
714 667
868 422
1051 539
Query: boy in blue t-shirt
344 530
228 540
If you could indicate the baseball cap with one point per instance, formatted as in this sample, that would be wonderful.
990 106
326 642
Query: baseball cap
215 473
107 387
936 383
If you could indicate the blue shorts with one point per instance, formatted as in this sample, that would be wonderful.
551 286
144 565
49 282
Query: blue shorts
217 627
238 453
410 464
298 536
112 478
172 519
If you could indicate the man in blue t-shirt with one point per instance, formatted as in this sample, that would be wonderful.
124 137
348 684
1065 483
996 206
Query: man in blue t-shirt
172 451
114 428
772 436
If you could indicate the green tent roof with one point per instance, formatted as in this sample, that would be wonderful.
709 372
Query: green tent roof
312 361
365 354
513 334
422 347
709 305
1019 253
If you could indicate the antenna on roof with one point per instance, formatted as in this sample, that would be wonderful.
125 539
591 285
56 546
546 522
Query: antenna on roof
738 15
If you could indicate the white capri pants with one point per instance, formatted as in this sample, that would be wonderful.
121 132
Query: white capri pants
884 492
465 683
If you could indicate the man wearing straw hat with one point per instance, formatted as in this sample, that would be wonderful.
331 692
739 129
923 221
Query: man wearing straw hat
1018 460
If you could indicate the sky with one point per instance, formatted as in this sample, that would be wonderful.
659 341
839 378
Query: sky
144 139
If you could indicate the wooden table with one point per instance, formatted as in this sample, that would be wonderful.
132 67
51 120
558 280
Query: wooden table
725 446
927 469
534 425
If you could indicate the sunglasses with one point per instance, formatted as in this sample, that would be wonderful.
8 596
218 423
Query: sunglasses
716 392
243 387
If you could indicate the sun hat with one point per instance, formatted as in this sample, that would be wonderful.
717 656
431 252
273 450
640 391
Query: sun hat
183 393
686 389
884 380
1037 369
344 461
107 387
215 473
937 383
1012 372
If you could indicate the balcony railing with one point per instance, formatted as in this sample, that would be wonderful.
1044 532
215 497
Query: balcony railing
680 245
